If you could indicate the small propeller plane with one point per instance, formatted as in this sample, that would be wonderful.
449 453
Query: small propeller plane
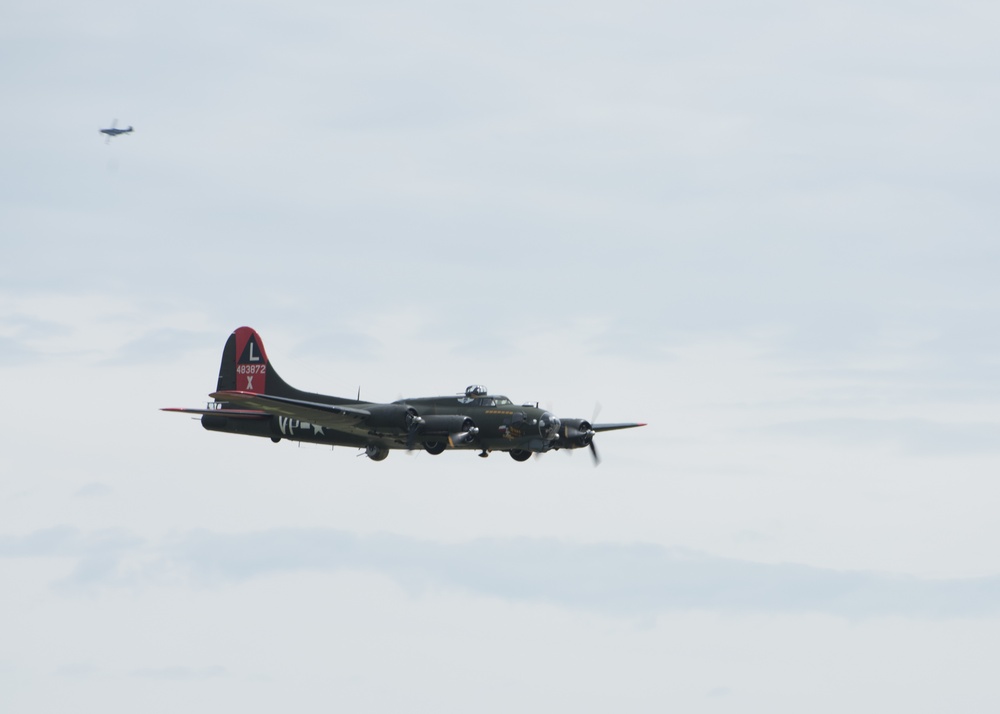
114 131
252 399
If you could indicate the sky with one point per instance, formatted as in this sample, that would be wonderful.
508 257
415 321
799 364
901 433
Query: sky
768 230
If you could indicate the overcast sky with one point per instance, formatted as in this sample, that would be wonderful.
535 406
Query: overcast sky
766 229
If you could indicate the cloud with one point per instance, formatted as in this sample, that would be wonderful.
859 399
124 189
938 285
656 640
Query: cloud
99 558
49 542
346 345
93 490
719 692
922 437
617 579
77 670
14 352
181 673
29 327
161 346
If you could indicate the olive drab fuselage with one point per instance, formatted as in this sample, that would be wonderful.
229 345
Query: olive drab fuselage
502 425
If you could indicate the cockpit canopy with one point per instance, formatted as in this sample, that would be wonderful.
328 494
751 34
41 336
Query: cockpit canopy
479 396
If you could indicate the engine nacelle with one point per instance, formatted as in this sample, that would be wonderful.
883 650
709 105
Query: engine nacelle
451 429
391 418
575 433
445 424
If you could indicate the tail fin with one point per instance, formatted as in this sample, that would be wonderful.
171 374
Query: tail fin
245 366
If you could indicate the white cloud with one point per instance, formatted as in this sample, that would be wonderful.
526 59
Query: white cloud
180 673
767 230
630 580
94 490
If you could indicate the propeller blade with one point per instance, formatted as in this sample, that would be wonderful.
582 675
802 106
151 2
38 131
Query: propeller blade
612 427
463 437
414 429
593 453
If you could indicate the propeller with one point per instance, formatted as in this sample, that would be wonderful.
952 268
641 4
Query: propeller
464 437
578 433
593 448
414 422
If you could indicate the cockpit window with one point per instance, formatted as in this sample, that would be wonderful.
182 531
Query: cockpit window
502 401
486 402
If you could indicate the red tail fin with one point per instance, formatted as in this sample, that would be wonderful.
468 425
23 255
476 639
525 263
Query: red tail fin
244 363
251 361
246 368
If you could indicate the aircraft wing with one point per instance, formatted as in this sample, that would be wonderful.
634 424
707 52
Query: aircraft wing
612 427
334 416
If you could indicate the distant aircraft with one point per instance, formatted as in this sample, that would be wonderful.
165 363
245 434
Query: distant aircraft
115 132
252 399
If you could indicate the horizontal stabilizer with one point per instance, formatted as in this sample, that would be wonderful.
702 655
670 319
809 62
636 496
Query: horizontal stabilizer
330 415
232 413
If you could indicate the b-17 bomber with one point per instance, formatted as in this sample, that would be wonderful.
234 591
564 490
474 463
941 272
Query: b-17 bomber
252 399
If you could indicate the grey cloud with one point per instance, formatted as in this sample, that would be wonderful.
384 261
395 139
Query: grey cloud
77 670
181 673
98 555
14 351
344 345
33 328
93 490
56 541
914 385
618 579
161 346
487 343
921 437
719 692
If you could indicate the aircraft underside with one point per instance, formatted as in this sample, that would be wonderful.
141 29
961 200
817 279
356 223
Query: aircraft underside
376 446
